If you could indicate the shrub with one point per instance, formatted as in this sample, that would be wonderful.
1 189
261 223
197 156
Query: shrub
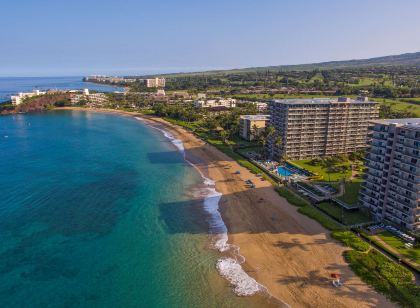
349 239
385 276
291 197
315 214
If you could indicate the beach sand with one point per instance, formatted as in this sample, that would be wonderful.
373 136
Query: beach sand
289 253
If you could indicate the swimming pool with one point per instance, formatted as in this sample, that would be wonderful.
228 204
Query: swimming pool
283 171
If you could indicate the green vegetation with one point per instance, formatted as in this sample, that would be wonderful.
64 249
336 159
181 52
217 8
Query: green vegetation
291 197
320 217
351 193
347 217
307 209
397 244
349 239
330 169
385 276
392 108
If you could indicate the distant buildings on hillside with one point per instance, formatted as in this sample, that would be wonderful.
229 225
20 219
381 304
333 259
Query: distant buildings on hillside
259 106
154 82
312 128
215 103
252 126
109 79
392 188
20 97
148 82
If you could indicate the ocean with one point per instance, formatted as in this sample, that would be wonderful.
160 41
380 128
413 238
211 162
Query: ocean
99 210
12 85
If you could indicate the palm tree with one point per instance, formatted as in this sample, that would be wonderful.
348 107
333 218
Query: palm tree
278 143
263 141
269 132
224 135
254 132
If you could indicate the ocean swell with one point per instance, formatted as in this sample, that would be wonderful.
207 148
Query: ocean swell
229 268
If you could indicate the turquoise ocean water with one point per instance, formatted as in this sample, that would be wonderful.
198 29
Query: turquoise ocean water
96 211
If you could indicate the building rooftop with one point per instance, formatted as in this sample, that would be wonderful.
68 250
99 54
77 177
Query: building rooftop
320 101
410 122
255 117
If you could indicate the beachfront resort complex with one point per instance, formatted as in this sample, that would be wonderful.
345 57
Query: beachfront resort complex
21 96
311 128
94 99
392 188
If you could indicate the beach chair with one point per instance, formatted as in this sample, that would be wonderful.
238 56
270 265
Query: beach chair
336 280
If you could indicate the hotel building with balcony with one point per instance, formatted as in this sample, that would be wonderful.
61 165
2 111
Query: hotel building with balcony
312 128
392 188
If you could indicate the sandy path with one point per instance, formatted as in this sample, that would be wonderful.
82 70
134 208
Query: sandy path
285 251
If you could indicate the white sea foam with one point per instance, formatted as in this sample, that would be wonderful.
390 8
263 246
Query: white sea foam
243 284
231 269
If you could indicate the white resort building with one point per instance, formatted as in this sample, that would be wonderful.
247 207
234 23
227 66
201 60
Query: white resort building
94 99
217 102
20 97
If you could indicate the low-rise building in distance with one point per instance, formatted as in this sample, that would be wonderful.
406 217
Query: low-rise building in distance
216 102
261 107
252 126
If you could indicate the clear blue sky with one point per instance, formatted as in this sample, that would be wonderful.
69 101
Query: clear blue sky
77 37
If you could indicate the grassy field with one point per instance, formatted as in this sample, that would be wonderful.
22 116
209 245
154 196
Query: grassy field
396 243
344 216
322 171
351 194
400 105
413 100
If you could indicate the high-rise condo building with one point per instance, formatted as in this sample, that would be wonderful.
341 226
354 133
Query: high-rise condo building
310 128
392 188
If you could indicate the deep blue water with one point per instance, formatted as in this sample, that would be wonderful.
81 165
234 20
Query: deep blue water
12 85
95 212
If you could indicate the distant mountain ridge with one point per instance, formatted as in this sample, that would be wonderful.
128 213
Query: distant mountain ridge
406 59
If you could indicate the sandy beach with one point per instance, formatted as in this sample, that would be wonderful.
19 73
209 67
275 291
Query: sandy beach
290 254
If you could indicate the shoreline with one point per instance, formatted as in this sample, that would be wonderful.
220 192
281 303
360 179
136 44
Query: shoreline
288 253
228 267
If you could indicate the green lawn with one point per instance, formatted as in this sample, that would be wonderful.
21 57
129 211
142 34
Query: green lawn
349 217
322 171
396 243
351 194
400 105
